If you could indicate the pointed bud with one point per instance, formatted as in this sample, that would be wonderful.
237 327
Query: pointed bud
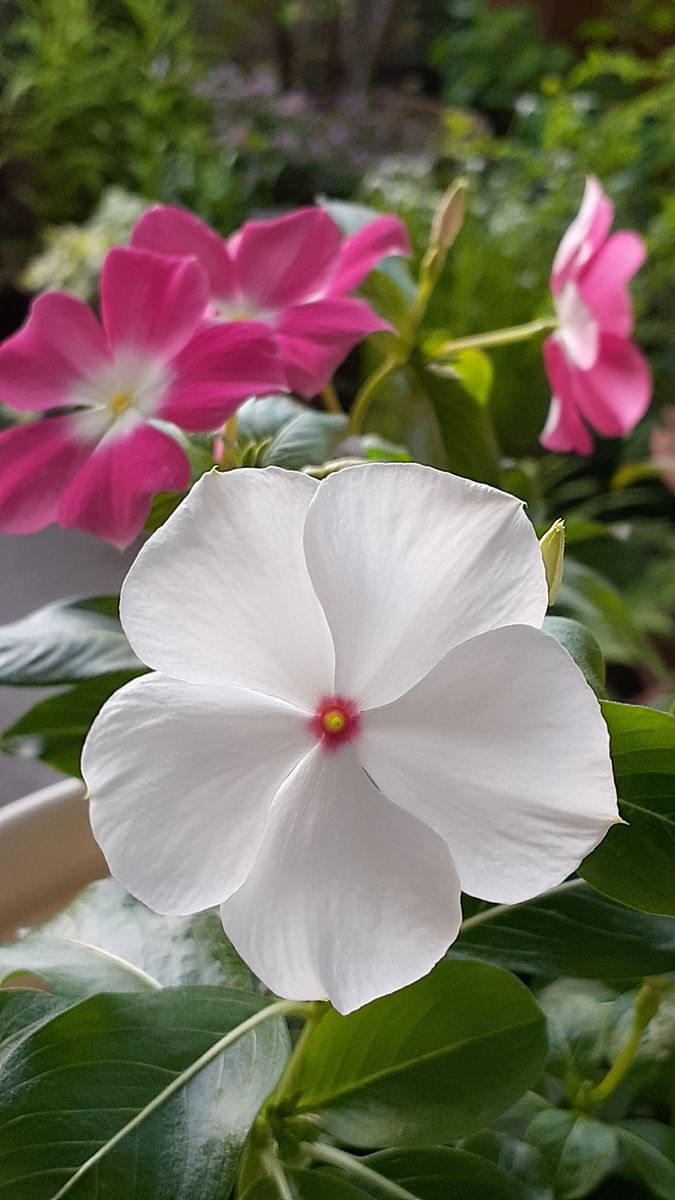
449 217
553 552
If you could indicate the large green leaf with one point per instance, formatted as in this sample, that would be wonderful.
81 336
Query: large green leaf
107 941
430 1174
438 1173
65 642
650 1148
635 863
570 931
55 729
427 1064
110 1098
578 1150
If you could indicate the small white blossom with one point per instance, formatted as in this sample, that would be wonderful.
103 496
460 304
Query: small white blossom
354 716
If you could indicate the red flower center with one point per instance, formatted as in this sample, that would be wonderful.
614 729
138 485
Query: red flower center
335 721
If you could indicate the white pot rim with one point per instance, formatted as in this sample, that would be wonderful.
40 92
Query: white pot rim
47 854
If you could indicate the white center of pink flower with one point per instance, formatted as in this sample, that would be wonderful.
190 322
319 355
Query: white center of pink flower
124 391
579 331
227 310
335 721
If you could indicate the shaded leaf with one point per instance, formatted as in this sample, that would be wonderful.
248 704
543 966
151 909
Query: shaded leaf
64 643
582 646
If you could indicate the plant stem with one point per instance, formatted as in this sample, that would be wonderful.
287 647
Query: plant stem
277 1174
282 1008
646 1006
499 337
366 393
330 401
357 1168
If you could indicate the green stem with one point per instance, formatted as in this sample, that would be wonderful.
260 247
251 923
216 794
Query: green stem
366 393
355 1167
499 337
330 401
646 1006
277 1174
280 1009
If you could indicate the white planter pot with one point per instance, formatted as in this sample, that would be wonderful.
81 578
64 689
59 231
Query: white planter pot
47 854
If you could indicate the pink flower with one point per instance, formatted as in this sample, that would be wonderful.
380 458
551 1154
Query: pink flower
294 273
97 466
598 377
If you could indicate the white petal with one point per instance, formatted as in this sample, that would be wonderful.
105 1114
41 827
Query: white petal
181 779
407 562
350 897
502 749
221 592
579 331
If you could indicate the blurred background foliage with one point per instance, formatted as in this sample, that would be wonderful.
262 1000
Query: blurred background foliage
259 105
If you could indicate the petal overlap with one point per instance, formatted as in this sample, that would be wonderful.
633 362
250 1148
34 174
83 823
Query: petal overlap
350 897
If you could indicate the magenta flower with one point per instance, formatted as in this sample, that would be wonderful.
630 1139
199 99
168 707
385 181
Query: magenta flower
598 377
294 274
150 361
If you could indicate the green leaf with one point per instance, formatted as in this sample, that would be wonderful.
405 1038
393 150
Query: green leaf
592 600
579 1151
294 435
64 643
427 1064
519 1160
475 372
572 930
466 430
439 1173
55 729
582 646
650 1147
107 941
308 1185
70 1087
635 863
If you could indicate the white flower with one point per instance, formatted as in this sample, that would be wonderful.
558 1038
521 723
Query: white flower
355 715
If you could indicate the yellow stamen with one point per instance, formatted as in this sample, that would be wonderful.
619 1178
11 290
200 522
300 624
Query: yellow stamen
120 402
333 721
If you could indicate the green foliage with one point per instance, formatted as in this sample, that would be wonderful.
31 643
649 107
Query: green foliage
392 1074
100 92
634 863
64 643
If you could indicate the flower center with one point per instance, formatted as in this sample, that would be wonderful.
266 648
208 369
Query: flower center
335 721
119 403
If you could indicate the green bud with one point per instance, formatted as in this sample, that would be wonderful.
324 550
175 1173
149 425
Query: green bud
553 552
449 217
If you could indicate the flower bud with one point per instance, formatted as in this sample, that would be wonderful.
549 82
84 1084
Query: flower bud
449 217
553 552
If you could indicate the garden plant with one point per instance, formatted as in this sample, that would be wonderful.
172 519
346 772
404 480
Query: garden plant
392 895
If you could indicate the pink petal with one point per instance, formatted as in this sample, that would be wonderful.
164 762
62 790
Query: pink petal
315 338
585 235
167 230
564 431
112 493
615 394
59 344
150 302
364 250
219 369
603 283
283 262
37 462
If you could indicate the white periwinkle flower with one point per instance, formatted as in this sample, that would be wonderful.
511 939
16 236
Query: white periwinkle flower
355 715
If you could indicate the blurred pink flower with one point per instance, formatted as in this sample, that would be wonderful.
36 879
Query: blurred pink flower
293 273
150 361
662 448
598 377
